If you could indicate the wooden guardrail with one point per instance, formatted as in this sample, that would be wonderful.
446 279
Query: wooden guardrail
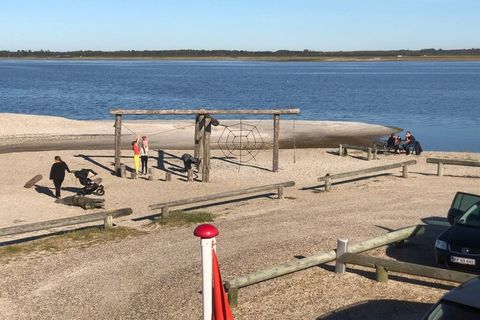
165 206
329 177
233 285
371 151
382 266
106 216
454 162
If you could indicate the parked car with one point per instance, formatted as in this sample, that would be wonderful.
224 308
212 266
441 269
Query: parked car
460 303
459 245
461 202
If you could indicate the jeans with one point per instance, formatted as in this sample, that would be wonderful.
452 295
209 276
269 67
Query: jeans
58 185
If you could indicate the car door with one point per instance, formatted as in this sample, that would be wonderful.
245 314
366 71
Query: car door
460 204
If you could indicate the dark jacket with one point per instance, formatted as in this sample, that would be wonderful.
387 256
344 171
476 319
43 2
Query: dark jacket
57 172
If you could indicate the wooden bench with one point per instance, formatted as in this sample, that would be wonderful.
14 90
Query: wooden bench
371 151
165 206
454 162
106 216
404 164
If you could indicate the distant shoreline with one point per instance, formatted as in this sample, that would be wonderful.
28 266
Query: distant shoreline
262 58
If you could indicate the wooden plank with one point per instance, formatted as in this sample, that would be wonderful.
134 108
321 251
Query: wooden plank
202 111
311 261
454 162
30 183
406 267
368 170
118 135
37 226
276 141
222 195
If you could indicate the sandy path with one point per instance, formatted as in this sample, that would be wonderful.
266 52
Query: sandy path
157 276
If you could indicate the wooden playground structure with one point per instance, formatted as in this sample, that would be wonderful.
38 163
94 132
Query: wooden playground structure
203 129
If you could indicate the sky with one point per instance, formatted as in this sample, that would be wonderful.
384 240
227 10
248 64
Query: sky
321 25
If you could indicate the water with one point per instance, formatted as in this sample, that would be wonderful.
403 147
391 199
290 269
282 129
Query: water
438 101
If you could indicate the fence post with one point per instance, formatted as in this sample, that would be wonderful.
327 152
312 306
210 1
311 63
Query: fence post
342 247
207 234
328 182
165 212
405 171
369 154
232 294
108 222
190 175
340 150
381 274
280 192
440 169
168 176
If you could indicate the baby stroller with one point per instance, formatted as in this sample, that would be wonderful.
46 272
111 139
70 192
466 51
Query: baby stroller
91 186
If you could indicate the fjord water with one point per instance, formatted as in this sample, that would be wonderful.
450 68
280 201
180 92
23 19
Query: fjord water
438 101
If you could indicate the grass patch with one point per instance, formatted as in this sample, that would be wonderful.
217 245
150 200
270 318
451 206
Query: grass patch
82 238
182 218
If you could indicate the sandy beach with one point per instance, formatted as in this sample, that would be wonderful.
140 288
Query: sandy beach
156 274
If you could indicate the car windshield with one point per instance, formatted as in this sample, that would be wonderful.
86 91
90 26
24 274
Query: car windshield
449 310
471 217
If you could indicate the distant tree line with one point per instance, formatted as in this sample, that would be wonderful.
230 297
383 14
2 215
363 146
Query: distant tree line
231 53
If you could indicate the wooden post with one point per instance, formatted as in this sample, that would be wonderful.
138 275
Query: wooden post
108 222
440 169
190 175
381 274
133 175
118 134
405 171
206 149
199 137
168 176
123 171
328 182
342 247
232 294
340 150
276 141
375 153
165 212
150 174
280 192
369 154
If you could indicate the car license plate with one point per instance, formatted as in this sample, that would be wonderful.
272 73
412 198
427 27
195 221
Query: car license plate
461 260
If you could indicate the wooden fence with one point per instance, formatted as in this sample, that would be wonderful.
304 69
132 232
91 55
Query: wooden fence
165 206
233 285
328 177
442 162
382 266
106 216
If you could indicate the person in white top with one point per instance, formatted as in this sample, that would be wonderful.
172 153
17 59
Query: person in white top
144 154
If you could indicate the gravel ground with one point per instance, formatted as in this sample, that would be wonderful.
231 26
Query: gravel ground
157 275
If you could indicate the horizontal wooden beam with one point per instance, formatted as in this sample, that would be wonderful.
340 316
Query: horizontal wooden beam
221 195
368 170
202 111
454 162
43 225
405 267
311 261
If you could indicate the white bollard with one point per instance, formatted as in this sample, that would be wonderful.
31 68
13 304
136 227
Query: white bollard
207 233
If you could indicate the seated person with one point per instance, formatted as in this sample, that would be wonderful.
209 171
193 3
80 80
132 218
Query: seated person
393 142
188 160
409 142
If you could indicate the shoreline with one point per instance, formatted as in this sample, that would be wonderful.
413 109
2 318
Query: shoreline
263 59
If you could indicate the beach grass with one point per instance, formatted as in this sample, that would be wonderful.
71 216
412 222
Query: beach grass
183 218
82 238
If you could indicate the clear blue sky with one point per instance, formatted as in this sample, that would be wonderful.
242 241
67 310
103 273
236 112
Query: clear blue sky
242 24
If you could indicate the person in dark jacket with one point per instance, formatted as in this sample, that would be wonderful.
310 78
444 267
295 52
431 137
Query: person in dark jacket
57 174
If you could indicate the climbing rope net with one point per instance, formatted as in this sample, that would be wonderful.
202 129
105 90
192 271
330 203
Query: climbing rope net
241 141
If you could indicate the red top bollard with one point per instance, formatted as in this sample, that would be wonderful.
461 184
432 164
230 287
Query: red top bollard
206 231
